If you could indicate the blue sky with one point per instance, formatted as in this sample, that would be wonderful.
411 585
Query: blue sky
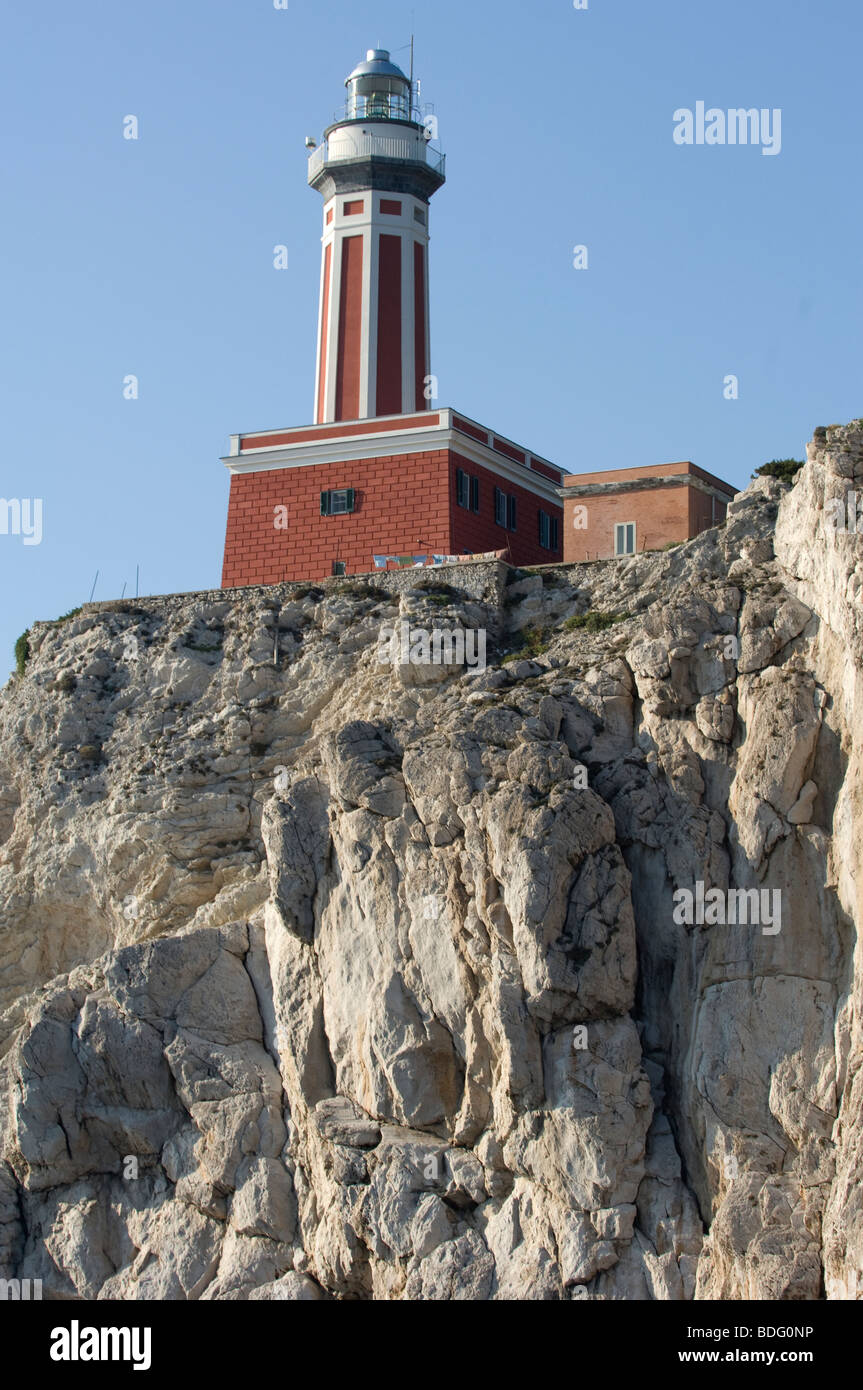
155 257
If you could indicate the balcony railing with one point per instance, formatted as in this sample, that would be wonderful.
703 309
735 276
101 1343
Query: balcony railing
360 146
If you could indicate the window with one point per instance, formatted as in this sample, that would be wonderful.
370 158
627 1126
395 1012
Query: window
338 502
549 531
419 216
466 490
624 538
340 567
504 509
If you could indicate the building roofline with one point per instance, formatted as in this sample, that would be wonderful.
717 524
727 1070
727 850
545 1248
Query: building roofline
610 478
343 442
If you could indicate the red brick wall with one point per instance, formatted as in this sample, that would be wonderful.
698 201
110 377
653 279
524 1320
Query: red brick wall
350 343
420 368
401 500
660 515
701 516
389 383
480 532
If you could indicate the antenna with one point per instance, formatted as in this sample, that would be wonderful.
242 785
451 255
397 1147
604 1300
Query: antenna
412 74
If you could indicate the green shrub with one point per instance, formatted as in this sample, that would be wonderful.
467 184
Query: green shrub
22 652
779 468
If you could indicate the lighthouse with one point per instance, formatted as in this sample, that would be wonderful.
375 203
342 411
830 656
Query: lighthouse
376 170
383 477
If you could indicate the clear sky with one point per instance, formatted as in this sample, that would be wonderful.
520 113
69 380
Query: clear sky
154 257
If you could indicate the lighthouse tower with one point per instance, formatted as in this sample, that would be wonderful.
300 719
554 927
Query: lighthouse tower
384 477
376 171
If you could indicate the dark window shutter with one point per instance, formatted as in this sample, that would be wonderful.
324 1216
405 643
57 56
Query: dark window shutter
555 533
511 509
474 494
351 496
325 504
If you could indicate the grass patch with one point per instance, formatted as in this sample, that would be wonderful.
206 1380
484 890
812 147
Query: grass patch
534 640
439 594
593 621
358 590
66 617
306 591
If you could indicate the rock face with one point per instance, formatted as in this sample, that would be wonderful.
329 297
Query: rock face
330 975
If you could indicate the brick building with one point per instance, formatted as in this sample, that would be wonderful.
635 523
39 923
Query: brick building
626 510
382 474
334 499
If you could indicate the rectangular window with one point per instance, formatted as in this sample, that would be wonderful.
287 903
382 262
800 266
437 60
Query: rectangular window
419 216
555 533
354 208
474 494
340 567
624 538
511 512
544 529
391 207
338 501
500 507
462 488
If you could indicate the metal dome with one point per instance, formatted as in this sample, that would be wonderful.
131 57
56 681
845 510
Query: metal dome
377 64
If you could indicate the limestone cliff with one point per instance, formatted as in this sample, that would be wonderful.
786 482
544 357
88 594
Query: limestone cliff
325 976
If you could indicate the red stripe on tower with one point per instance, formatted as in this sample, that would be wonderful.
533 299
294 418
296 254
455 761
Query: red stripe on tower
350 330
377 171
389 391
324 331
420 364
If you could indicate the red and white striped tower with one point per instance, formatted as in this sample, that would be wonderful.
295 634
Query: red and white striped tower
376 171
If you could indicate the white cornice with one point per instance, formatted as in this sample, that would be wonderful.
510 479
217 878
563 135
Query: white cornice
422 440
